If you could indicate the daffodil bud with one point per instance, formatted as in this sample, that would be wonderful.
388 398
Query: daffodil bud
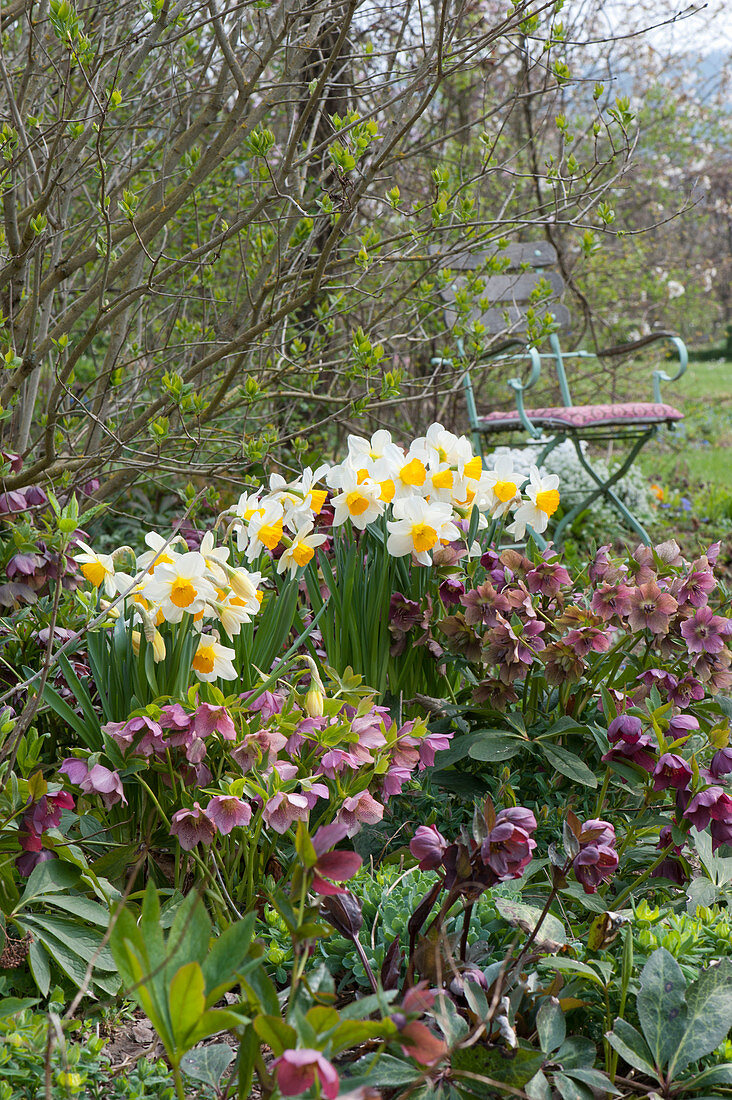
314 701
241 583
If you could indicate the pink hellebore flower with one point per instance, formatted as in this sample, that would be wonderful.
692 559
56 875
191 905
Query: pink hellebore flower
297 1071
283 809
432 743
705 632
208 720
394 780
192 826
428 846
228 813
96 780
267 703
651 608
125 734
360 809
338 866
174 717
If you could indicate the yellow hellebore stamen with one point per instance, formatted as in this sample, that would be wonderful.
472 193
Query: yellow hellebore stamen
473 469
548 501
413 473
356 503
182 592
94 572
387 490
203 662
270 534
442 480
505 490
424 537
318 498
302 553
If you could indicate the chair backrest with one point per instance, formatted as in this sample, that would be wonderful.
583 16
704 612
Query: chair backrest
504 298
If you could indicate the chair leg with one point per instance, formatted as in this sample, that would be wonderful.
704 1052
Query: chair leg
605 490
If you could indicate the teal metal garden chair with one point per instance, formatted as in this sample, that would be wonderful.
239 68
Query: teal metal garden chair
627 425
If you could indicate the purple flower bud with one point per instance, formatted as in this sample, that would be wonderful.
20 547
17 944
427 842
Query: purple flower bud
626 727
682 725
721 763
428 846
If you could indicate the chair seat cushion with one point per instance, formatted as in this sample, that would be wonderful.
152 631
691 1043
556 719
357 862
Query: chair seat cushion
579 417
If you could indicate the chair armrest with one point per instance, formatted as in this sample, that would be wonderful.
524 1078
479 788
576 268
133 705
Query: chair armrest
519 388
660 376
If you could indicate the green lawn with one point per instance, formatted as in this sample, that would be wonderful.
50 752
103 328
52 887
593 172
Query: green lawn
700 449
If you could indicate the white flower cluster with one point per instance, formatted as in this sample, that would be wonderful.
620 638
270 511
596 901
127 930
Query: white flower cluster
576 483
168 582
422 494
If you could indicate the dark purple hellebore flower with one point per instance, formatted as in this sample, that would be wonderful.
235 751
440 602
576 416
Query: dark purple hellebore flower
672 771
721 763
626 727
713 803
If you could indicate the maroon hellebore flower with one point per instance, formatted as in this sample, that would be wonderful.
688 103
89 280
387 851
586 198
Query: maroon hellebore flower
507 848
338 866
597 858
672 771
297 1071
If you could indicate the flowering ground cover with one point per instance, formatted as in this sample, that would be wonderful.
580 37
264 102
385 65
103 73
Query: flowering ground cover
356 791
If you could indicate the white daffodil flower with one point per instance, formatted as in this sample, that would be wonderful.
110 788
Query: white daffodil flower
98 569
418 526
213 661
180 587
